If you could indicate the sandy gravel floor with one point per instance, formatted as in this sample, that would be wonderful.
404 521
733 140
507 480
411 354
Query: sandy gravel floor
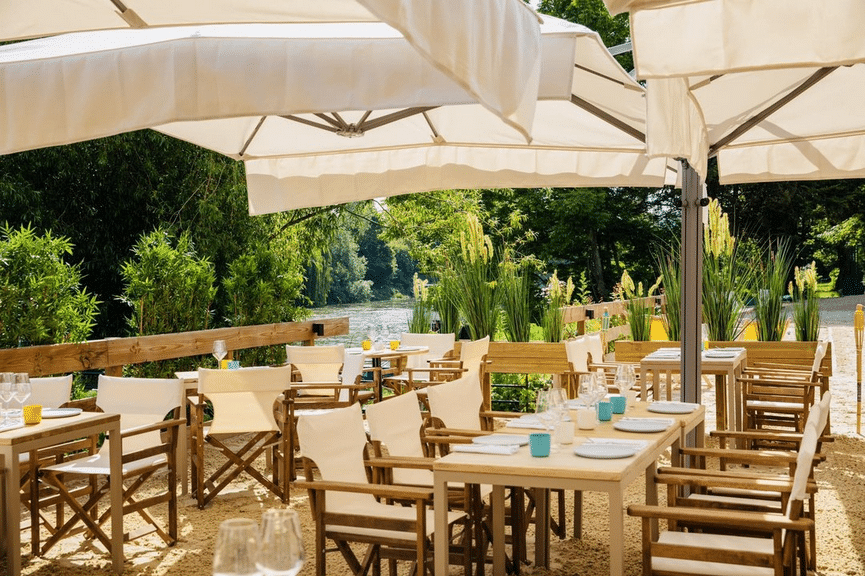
840 502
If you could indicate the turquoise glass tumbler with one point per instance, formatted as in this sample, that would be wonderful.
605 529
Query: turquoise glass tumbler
605 411
539 444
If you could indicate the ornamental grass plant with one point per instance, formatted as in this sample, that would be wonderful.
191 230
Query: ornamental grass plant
640 308
769 312
727 278
515 287
671 279
557 295
806 312
421 310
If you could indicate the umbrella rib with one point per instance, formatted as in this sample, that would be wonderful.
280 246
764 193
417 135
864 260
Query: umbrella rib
760 116
252 136
129 15
608 118
396 116
605 77
311 123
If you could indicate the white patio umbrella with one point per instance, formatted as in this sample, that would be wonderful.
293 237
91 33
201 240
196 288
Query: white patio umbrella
472 42
326 114
592 135
771 87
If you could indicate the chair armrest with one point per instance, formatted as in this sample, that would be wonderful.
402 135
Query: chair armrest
151 427
459 432
500 414
766 457
382 490
86 404
713 517
413 462
718 478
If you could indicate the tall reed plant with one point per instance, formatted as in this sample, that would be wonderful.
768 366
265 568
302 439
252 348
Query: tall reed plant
769 312
515 287
640 307
470 274
421 310
558 295
806 312
671 279
727 278
443 302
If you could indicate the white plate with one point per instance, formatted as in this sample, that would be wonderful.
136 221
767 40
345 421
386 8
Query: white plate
60 412
502 440
605 451
641 425
408 348
672 407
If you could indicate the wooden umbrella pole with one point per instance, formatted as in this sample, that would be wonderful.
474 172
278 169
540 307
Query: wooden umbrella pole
858 328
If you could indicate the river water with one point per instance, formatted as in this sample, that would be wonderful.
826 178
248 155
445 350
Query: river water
383 320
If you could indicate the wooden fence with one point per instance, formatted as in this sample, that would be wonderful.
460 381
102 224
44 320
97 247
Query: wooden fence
112 354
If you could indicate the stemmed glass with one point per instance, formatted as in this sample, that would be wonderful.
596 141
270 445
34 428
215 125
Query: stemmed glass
547 410
219 351
236 548
21 389
280 551
625 378
7 387
588 389
559 403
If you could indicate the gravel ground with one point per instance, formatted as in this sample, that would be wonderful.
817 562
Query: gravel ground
840 504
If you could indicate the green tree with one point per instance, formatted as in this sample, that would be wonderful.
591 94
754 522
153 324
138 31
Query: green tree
41 297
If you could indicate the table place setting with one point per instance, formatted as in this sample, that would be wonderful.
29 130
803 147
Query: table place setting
721 353
531 422
645 425
671 407
609 448
501 440
503 449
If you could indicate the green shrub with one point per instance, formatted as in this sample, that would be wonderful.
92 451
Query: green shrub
41 298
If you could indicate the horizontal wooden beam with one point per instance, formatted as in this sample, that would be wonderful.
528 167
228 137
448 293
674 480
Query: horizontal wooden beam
116 352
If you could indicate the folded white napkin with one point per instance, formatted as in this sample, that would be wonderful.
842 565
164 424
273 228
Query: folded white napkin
529 421
639 444
485 448
14 425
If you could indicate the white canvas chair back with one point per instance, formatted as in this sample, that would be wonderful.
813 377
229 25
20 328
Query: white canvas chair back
472 354
438 344
317 364
140 402
824 407
458 403
352 367
243 399
577 351
396 423
595 346
819 355
49 392
804 461
335 442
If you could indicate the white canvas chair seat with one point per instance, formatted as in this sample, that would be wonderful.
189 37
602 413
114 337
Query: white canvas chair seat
143 404
718 542
243 403
343 503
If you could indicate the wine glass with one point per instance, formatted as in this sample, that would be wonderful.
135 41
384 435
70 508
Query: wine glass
280 551
588 387
7 385
559 403
219 351
21 389
236 548
625 378
546 412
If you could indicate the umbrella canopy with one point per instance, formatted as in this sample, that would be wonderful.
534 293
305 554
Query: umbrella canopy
771 87
472 42
592 135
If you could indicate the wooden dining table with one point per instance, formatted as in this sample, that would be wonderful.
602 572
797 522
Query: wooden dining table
726 364
51 432
562 470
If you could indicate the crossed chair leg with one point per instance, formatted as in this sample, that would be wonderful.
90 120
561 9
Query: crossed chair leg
241 461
